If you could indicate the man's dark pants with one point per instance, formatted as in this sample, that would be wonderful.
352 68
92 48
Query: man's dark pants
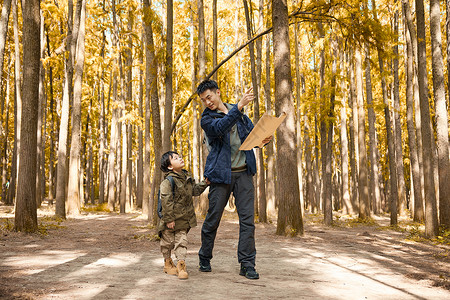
243 191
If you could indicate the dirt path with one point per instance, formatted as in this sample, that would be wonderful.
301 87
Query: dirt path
111 256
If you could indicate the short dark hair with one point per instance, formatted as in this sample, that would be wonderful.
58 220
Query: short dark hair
165 160
207 85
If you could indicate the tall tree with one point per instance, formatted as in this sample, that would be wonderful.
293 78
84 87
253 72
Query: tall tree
418 200
414 160
431 221
373 171
73 192
397 125
17 107
169 78
26 213
260 179
363 186
6 9
64 122
290 219
344 138
441 113
153 102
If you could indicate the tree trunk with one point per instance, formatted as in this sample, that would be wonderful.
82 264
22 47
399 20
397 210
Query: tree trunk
151 100
344 140
270 188
215 50
203 199
289 216
259 158
299 117
6 9
17 106
431 222
354 156
363 186
419 212
40 160
414 162
26 213
168 79
373 171
102 166
441 114
398 128
73 192
140 154
64 122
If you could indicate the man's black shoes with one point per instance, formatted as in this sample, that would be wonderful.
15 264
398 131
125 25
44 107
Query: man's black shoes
249 272
204 265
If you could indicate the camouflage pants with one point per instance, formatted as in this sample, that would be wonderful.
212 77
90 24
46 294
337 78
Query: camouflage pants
176 241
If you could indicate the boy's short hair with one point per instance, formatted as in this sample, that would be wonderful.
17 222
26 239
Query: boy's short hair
207 85
165 160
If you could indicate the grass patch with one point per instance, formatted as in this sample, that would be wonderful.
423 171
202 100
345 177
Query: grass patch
148 236
96 208
6 225
45 224
354 222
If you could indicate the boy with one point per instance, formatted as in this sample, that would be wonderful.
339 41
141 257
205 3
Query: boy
178 215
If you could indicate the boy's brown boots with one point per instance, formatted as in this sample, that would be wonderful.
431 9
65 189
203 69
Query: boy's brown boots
181 268
169 267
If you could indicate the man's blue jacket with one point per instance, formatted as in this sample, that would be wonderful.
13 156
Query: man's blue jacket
217 127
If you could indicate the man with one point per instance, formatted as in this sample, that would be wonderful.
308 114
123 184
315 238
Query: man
229 170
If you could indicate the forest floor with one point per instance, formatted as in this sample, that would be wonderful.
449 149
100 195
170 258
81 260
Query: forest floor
101 255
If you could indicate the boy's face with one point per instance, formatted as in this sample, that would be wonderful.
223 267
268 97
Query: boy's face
211 99
176 163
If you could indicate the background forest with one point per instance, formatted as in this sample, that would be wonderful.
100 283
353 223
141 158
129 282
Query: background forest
94 91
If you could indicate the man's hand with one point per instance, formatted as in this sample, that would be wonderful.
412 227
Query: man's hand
207 181
267 140
246 99
171 225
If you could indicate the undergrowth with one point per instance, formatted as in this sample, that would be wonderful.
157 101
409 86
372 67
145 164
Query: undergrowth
96 208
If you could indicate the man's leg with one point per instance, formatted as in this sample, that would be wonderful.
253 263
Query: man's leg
218 196
243 191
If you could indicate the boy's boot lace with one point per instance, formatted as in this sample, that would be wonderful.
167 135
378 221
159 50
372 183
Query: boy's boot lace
181 267
169 267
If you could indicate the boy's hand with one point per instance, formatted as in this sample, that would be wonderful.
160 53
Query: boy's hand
246 99
171 225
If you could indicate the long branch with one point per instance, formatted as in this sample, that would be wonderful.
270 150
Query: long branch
296 14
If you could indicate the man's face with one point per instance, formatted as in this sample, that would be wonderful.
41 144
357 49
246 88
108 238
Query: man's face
211 99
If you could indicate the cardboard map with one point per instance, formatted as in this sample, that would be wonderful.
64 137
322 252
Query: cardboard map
265 127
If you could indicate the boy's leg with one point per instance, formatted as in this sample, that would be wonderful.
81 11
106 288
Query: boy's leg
180 244
218 197
167 242
243 191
